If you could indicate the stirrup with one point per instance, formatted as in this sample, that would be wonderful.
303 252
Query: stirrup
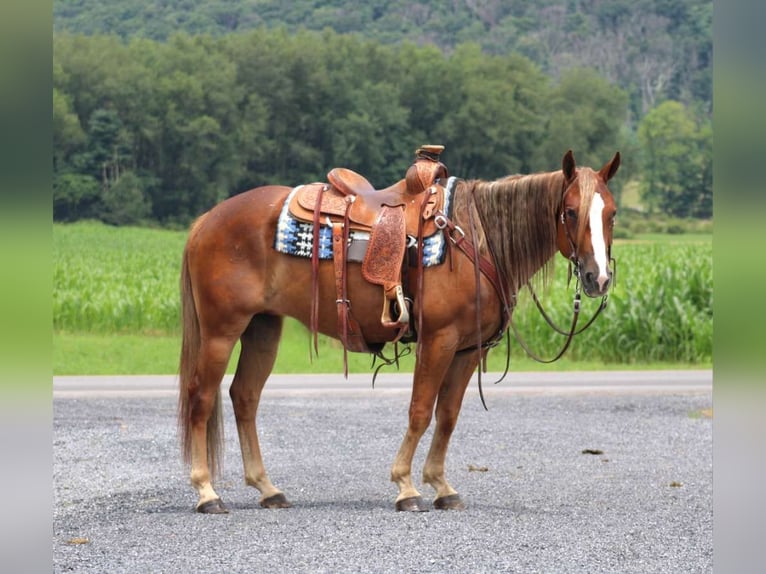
404 314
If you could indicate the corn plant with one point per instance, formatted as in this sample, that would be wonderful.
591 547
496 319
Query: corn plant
125 280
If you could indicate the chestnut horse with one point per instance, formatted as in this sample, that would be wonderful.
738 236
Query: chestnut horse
236 286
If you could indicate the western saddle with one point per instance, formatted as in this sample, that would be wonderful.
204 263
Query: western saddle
348 202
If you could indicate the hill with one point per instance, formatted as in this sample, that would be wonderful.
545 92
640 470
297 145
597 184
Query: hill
653 49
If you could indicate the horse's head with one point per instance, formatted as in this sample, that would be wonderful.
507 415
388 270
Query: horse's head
585 222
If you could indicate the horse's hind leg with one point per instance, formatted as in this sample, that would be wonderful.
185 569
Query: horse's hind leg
259 351
447 411
205 432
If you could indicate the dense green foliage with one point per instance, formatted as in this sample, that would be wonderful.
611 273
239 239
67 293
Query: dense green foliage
196 119
653 49
125 280
155 126
676 182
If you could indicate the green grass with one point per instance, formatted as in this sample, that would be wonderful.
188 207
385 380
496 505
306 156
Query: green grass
126 354
116 309
114 354
673 238
116 279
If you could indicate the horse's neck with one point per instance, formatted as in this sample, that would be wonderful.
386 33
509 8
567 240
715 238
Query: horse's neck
518 214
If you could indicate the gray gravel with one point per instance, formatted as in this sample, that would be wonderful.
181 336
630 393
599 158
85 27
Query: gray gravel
123 503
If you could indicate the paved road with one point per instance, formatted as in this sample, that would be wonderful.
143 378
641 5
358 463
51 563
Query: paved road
643 503
538 382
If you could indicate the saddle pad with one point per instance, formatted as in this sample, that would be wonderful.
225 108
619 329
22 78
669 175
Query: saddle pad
294 237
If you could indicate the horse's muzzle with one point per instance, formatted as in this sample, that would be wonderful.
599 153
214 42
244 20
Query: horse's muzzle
595 284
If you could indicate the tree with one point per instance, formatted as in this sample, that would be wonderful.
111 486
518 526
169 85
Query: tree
677 162
703 206
109 146
75 196
68 134
497 122
653 49
586 115
125 202
195 119
196 155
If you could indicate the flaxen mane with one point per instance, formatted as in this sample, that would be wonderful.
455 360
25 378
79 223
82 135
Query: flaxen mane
510 211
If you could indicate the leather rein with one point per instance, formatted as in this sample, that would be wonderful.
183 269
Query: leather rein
570 334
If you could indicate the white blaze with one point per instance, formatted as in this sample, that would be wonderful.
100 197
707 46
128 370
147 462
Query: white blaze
597 237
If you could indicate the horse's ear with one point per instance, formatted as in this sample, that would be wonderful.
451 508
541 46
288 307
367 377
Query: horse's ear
568 166
610 168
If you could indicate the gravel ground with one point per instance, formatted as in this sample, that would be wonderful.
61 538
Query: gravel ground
642 502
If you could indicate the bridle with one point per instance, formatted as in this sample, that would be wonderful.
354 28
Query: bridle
574 270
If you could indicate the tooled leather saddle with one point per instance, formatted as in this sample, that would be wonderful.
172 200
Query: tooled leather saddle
385 218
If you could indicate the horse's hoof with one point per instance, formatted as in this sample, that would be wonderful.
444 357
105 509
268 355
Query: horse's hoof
276 501
449 502
214 506
412 504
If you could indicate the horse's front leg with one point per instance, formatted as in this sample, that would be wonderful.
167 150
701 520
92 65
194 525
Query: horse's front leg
430 369
447 410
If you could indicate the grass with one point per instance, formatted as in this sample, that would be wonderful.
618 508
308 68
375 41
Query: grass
135 354
115 307
668 238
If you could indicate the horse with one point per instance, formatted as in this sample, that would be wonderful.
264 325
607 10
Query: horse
235 286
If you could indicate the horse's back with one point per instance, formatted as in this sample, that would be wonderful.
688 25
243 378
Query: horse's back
247 208
229 248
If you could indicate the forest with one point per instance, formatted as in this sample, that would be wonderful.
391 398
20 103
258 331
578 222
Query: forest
163 108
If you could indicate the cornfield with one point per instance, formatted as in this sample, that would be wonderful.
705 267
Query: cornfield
116 279
659 310
125 280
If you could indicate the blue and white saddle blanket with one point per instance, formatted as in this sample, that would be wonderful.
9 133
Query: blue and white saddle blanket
294 237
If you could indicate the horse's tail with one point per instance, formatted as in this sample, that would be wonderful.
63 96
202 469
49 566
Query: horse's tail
190 347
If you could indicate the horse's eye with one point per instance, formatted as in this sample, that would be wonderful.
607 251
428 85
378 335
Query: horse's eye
571 213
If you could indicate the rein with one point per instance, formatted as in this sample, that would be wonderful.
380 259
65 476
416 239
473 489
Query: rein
482 265
553 325
570 335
